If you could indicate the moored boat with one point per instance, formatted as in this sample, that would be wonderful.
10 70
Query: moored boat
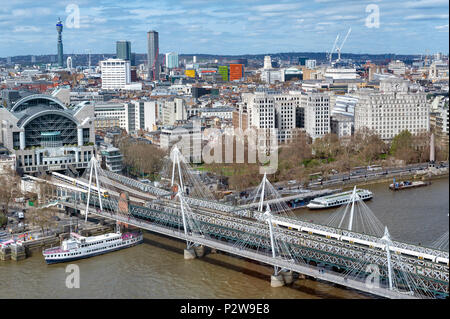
407 184
77 246
338 199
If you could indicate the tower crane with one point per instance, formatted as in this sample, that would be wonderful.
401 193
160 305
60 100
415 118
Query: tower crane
338 49
334 45
154 64
89 57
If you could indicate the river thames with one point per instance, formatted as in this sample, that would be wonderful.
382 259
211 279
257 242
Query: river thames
156 268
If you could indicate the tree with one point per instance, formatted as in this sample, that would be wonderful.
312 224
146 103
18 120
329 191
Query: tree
372 148
143 158
401 142
421 144
42 217
326 146
411 148
9 189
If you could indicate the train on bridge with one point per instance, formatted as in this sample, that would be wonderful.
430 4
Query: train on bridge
361 242
304 229
314 243
76 182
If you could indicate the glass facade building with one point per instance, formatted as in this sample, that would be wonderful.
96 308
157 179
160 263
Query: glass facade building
223 71
123 50
172 60
152 55
45 135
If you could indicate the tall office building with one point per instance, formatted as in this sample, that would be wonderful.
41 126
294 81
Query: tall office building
311 64
115 74
236 72
152 55
223 71
268 109
173 110
302 60
59 29
123 50
392 109
267 62
317 113
172 60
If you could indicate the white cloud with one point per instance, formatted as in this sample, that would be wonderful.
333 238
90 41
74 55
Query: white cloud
255 18
31 12
426 17
339 17
442 27
147 13
240 24
278 7
425 4
27 28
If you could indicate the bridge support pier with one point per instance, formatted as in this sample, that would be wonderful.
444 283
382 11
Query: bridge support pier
199 250
189 253
288 276
276 281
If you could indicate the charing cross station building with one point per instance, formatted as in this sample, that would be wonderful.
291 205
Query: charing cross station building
45 135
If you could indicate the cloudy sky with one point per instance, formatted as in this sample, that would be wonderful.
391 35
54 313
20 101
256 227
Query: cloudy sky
225 27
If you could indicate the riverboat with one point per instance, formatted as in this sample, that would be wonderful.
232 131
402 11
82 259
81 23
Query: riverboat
338 199
78 247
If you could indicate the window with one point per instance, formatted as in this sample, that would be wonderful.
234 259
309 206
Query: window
86 135
16 140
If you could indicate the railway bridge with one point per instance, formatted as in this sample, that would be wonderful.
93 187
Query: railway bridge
341 255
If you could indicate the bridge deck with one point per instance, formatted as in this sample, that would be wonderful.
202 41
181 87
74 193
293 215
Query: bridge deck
202 206
300 196
258 256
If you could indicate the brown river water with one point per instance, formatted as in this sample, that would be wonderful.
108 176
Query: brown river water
156 268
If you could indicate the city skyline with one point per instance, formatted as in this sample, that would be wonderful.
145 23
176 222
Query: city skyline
234 28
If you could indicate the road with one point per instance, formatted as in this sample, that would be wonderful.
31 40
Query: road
364 174
355 175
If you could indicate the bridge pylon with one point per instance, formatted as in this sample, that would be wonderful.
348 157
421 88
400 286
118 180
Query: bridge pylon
192 249
175 155
261 201
387 240
93 164
276 280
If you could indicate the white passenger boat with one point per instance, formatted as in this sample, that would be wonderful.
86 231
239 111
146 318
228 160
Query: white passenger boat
77 247
338 199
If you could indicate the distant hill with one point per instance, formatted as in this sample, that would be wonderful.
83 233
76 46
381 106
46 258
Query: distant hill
82 59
